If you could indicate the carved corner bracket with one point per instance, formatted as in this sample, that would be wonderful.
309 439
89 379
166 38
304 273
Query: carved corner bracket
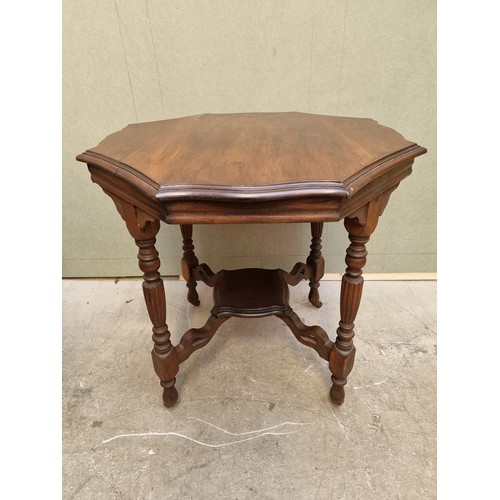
140 224
367 216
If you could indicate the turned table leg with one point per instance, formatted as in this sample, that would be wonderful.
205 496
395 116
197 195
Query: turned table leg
188 263
360 226
144 227
165 360
316 263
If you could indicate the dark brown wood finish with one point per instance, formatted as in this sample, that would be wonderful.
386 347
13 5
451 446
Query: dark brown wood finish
316 262
288 150
144 228
246 168
189 262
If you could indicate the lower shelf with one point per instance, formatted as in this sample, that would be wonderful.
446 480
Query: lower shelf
251 292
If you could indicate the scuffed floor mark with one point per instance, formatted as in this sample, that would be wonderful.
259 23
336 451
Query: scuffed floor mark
369 385
247 432
368 479
342 427
209 445
258 433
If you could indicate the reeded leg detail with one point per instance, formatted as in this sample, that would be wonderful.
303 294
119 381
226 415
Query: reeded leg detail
143 226
165 360
343 351
316 263
189 262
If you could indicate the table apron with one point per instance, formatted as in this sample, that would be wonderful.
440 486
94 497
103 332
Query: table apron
224 212
306 209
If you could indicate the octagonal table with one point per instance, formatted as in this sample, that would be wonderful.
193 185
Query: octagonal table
252 168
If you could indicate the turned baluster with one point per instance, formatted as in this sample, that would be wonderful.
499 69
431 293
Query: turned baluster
164 356
143 227
316 263
188 263
343 351
360 226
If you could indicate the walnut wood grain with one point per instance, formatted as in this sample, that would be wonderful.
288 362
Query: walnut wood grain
252 156
252 168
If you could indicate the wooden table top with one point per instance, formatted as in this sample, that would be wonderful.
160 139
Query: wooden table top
252 156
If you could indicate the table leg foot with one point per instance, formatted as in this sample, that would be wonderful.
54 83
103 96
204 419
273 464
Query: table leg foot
341 363
192 295
337 392
170 394
314 294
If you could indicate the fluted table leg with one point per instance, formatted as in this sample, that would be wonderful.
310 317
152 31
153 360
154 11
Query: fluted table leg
359 226
343 350
144 227
165 360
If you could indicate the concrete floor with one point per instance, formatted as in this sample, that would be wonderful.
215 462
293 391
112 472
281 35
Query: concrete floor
254 419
